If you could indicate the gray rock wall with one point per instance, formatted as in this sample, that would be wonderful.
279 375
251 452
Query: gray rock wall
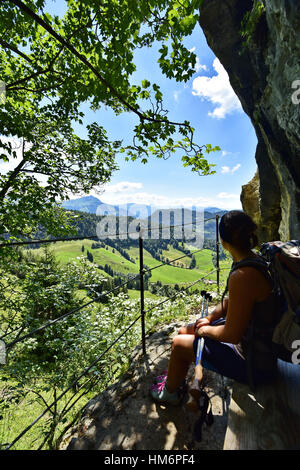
262 72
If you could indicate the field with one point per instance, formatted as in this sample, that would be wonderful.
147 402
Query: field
171 274
97 326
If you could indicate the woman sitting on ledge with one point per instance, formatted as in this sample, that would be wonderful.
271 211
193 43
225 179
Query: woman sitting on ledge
226 347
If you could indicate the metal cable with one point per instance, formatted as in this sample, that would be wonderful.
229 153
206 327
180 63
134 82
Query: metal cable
76 310
94 237
85 371
88 303
177 293
70 386
65 315
172 261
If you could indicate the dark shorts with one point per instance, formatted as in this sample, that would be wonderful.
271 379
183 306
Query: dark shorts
224 359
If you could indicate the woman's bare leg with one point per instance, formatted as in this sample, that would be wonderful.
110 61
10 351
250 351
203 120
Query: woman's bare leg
182 356
187 329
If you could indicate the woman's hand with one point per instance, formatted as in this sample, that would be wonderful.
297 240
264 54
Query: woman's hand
201 322
201 330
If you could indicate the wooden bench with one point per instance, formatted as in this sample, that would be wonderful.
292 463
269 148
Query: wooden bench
268 418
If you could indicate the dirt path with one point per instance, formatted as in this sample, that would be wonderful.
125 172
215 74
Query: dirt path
125 417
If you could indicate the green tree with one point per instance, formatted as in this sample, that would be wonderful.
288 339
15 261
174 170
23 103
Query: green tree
193 262
48 149
52 65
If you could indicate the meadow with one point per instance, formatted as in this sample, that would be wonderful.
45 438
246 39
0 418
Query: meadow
30 382
173 273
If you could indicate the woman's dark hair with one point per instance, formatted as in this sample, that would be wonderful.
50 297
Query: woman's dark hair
237 228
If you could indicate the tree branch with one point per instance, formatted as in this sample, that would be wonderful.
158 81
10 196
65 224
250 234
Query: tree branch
83 59
36 74
72 49
6 45
13 174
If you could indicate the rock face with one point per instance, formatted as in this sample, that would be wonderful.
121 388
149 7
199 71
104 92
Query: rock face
250 197
263 69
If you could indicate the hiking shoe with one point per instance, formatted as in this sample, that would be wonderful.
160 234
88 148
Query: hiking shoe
161 378
160 394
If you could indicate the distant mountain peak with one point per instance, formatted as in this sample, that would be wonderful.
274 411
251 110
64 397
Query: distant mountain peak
91 203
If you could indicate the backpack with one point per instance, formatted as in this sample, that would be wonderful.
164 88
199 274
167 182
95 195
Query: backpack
279 262
283 259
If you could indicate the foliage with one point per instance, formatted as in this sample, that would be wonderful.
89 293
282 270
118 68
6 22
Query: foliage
36 384
53 65
251 21
48 149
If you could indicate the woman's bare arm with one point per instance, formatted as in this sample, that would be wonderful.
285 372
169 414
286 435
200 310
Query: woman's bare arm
239 308
219 312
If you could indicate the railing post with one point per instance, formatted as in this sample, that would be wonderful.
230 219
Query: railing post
142 290
217 248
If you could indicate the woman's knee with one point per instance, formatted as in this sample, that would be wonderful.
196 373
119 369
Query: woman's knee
176 341
183 345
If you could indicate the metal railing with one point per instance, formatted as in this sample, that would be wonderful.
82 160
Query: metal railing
141 316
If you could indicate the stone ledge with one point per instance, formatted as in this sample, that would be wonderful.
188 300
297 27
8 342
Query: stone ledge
124 417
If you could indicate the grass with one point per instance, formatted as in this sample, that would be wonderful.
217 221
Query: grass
70 251
135 295
170 274
19 416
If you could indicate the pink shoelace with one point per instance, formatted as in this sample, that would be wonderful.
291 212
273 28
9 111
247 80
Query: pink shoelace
160 381
158 387
163 377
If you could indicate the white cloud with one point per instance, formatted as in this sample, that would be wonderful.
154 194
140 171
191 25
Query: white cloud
123 186
227 196
199 67
176 95
235 168
160 201
225 153
218 90
226 169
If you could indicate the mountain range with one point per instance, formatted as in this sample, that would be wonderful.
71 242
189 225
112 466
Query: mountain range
90 204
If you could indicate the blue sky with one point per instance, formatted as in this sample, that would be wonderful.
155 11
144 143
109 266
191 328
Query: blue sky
210 104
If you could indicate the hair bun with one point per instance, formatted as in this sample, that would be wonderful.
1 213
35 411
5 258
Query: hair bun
238 229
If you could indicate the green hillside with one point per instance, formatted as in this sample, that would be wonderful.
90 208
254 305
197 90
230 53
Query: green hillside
170 274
